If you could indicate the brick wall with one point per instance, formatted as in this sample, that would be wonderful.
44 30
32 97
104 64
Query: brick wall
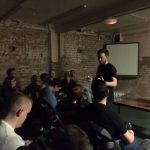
85 63
138 87
30 55
80 53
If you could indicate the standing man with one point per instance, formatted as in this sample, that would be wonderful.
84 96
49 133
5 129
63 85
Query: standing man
107 72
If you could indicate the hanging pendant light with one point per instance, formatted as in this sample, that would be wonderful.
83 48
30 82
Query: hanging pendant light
110 21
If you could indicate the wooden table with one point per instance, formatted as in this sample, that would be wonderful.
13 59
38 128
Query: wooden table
140 104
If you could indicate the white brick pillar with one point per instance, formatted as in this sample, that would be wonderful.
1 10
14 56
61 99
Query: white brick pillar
54 45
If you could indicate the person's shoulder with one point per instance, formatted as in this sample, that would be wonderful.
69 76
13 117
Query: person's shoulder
96 106
114 115
13 142
112 68
10 139
111 65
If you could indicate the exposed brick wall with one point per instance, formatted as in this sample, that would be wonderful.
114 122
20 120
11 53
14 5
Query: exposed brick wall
85 63
30 55
139 87
80 53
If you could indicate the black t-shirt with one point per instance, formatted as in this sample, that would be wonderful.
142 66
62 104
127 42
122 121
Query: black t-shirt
67 87
107 71
33 90
106 118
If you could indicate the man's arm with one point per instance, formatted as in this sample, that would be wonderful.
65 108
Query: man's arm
129 136
112 83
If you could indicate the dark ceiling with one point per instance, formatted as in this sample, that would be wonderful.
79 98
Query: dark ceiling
66 15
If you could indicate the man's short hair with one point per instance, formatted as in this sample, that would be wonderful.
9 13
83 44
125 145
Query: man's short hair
76 85
34 78
105 51
99 89
15 98
44 77
56 82
71 137
9 71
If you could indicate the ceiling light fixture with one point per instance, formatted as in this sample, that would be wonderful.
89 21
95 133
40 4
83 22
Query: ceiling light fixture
110 21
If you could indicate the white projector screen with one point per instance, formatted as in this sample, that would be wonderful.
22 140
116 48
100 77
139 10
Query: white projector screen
124 56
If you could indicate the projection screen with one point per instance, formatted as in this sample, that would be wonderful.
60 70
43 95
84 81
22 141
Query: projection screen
124 56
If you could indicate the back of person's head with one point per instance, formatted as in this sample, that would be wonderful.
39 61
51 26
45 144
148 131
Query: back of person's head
17 107
44 77
9 71
79 137
99 89
56 82
71 137
105 51
77 88
34 79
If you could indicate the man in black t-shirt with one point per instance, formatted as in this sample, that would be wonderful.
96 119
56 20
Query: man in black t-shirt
107 72
106 118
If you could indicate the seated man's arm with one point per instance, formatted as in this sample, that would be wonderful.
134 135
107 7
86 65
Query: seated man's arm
129 136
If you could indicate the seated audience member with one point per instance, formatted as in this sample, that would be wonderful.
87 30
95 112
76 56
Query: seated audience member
11 72
8 87
13 114
47 93
73 75
32 90
68 110
70 137
82 95
67 84
52 75
106 118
